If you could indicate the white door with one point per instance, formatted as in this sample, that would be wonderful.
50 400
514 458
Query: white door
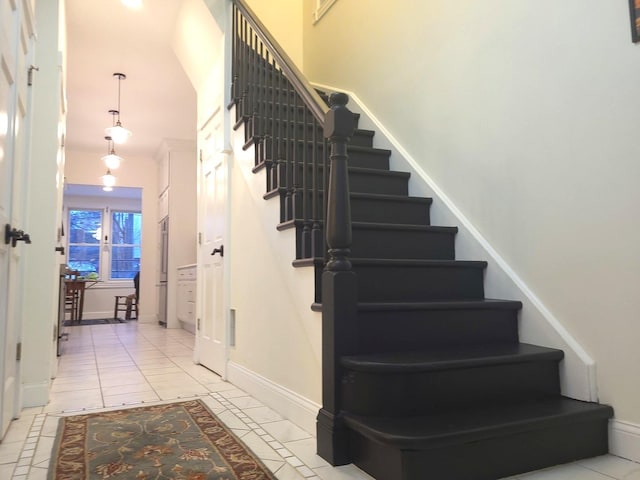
15 46
212 312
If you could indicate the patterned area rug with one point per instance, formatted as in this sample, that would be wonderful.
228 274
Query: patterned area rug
180 441
93 321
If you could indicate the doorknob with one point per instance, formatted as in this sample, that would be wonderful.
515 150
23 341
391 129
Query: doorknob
218 250
60 249
13 236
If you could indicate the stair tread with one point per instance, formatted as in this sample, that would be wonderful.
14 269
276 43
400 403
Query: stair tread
392 262
375 226
393 198
409 262
403 226
486 303
378 171
422 432
450 358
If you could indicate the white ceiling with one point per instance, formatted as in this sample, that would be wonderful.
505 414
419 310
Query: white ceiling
157 99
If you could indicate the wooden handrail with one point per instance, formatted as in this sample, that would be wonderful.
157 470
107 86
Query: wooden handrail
308 94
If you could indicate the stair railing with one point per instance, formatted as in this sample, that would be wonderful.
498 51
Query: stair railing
283 115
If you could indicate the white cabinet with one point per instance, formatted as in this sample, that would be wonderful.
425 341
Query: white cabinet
186 297
177 176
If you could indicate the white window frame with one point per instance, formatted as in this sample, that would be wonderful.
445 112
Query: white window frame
322 7
105 246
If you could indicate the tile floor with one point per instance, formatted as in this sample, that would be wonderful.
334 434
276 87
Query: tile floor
107 366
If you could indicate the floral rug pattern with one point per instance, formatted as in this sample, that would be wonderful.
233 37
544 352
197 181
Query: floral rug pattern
177 441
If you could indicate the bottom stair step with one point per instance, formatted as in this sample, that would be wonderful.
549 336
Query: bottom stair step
479 444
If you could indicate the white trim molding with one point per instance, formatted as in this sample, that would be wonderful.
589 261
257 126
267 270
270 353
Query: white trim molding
624 439
322 7
289 404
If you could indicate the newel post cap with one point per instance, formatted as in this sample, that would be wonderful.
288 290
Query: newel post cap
339 122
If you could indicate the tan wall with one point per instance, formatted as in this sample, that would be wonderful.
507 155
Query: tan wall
283 19
524 114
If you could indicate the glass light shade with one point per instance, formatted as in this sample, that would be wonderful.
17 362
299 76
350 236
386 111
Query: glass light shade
108 180
112 160
107 189
118 133
134 4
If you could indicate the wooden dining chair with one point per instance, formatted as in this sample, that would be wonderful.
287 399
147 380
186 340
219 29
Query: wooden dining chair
72 292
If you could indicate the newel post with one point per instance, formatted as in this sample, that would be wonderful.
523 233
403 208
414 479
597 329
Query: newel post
339 287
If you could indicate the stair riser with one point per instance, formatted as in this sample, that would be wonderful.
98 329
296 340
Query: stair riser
375 210
403 331
379 182
378 161
418 284
386 211
360 138
378 243
407 394
487 460
365 182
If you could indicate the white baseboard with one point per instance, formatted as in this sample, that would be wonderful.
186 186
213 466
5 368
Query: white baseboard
290 405
624 440
35 394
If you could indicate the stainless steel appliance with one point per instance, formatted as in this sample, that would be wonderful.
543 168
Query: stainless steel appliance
164 268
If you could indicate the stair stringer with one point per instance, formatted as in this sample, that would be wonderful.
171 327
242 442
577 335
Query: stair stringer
538 325
269 296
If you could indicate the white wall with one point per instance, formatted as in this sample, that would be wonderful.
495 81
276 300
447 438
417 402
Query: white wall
86 168
524 114
276 355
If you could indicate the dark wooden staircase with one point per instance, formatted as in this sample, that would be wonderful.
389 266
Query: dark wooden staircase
433 382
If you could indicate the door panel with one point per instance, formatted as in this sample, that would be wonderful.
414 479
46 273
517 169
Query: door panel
212 332
15 47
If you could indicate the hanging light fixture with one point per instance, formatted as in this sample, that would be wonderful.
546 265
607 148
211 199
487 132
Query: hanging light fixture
117 132
107 189
133 4
111 160
108 180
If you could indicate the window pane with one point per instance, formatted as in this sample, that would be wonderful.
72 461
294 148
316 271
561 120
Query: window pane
126 228
85 226
125 261
85 259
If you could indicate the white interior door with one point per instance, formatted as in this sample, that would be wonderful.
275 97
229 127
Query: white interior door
212 318
15 43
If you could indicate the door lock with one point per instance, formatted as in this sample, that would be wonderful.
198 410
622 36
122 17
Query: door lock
218 250
13 236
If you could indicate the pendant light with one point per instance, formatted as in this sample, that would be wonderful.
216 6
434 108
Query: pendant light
118 133
108 180
111 160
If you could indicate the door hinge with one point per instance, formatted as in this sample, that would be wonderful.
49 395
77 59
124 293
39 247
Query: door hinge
200 155
19 351
30 74
199 238
198 324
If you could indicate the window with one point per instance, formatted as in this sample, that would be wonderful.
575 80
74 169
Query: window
105 243
322 7
85 233
125 244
